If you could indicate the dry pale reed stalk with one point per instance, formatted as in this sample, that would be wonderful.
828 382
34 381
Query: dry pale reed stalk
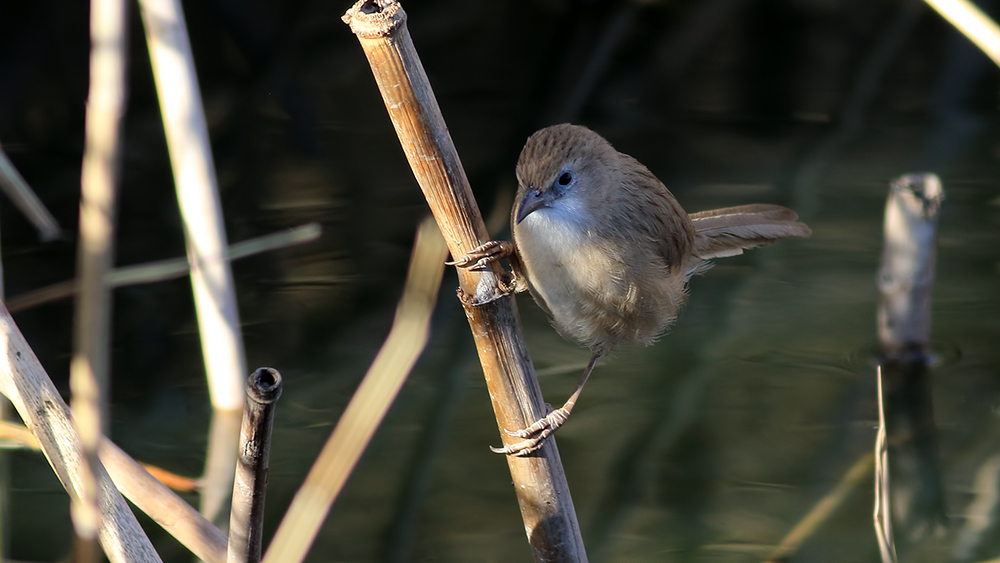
201 211
37 401
163 270
370 402
146 492
539 480
161 504
973 23
18 434
24 198
198 196
89 369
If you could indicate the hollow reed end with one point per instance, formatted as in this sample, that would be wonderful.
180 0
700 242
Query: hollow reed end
539 481
372 19
264 386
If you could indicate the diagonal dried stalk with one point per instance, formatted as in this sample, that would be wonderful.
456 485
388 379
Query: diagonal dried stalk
24 382
406 340
163 270
821 512
539 481
973 23
24 198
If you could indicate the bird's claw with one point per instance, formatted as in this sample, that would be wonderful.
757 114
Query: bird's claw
480 257
533 436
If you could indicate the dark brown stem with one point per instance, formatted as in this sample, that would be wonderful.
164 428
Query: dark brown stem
246 521
539 481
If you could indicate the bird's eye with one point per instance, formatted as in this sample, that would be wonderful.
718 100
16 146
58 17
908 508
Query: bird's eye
565 179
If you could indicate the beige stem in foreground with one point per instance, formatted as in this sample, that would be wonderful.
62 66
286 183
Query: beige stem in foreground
370 402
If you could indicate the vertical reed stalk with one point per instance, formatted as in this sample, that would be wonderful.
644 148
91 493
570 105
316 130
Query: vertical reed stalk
906 274
89 370
246 521
882 514
539 481
906 415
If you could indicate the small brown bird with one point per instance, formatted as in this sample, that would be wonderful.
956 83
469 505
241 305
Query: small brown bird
606 250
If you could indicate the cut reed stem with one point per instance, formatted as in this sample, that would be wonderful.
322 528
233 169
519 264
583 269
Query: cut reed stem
539 481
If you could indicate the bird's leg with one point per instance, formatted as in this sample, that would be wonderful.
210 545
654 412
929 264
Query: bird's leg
536 434
480 257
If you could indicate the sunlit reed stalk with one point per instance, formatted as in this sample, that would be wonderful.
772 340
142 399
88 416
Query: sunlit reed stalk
161 504
882 515
18 434
368 406
973 23
198 196
89 369
38 402
163 270
543 494
201 212
24 198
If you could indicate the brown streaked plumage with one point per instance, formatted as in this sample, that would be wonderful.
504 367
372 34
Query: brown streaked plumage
606 250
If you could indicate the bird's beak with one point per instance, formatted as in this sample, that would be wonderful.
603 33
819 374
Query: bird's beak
533 199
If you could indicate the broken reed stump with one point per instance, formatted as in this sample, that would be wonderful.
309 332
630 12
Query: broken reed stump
905 282
539 481
906 276
246 520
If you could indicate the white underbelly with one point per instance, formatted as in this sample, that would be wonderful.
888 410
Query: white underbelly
571 275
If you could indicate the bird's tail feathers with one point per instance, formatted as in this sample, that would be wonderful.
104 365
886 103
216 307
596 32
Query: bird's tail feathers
727 232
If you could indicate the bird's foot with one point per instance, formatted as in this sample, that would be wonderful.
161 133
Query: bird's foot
479 258
534 435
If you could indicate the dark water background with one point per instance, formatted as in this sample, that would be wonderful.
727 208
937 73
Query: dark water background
709 446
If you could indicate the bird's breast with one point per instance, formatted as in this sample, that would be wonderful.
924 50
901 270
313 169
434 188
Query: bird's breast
596 292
